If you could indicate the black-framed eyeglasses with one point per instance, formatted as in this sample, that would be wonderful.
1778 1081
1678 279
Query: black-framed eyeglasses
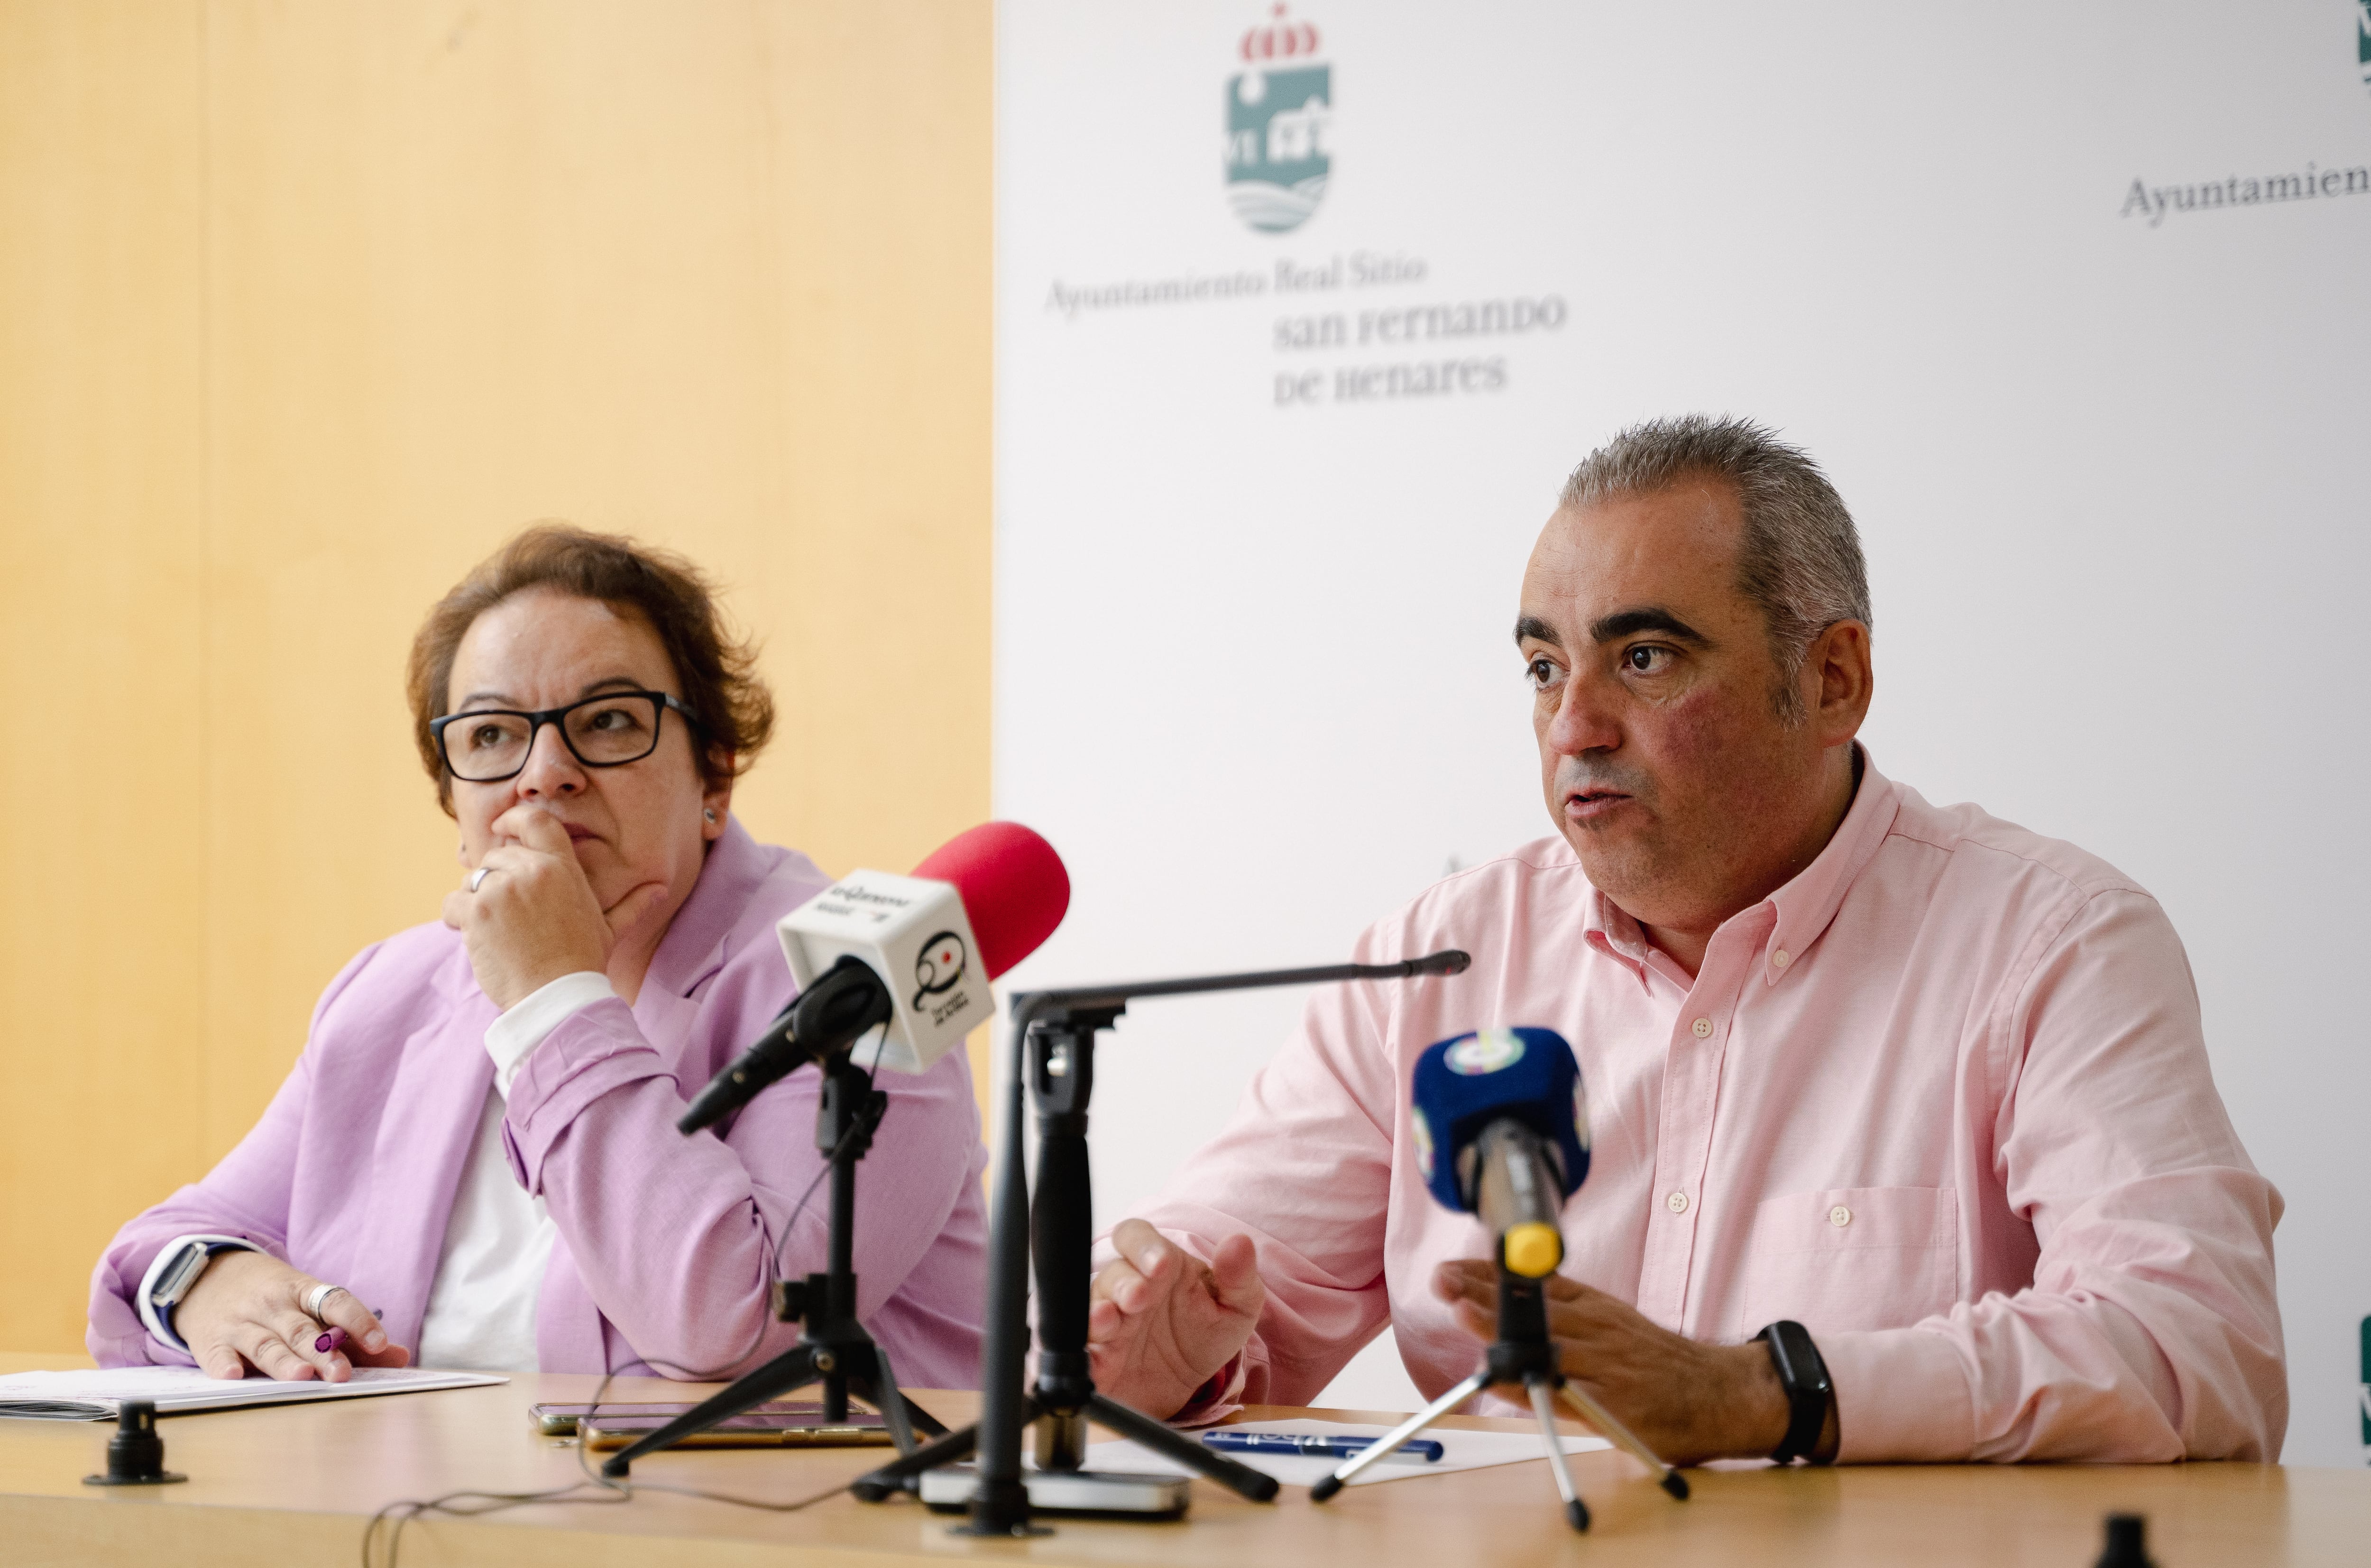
486 745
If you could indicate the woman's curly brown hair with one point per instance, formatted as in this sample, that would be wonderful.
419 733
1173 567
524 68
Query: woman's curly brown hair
731 708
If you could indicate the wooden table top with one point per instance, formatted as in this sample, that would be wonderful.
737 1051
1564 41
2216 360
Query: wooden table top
295 1484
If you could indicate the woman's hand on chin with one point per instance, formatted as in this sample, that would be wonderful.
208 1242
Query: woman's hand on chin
533 916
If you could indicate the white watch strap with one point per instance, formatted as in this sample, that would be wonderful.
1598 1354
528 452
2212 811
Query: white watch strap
156 1317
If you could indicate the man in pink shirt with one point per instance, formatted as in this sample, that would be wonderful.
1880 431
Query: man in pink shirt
1928 1085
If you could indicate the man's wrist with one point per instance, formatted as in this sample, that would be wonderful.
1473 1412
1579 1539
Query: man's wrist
1760 1403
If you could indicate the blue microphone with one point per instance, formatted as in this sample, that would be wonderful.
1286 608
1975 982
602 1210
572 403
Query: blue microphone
1501 1127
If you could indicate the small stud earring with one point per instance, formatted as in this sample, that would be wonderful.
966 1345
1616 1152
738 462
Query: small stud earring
709 815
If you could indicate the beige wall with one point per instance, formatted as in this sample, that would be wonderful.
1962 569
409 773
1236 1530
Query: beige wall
303 309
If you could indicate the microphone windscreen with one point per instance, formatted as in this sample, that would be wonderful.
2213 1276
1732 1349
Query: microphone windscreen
1015 888
1461 1084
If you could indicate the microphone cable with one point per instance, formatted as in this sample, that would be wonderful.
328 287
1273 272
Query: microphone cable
596 1488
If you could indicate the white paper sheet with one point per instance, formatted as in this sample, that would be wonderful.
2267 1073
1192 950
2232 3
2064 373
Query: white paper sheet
96 1396
1461 1450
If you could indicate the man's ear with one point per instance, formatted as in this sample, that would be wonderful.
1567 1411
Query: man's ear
1840 658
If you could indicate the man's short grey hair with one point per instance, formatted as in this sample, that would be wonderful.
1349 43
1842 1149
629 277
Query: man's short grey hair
1800 559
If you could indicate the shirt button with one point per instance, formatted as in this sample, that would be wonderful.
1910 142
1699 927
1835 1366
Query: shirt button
1677 1203
1781 959
1703 1027
1840 1216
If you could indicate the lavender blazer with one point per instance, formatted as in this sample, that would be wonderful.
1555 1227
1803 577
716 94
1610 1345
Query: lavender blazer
663 1257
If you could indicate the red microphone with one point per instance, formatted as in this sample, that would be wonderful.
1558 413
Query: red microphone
1013 886
894 970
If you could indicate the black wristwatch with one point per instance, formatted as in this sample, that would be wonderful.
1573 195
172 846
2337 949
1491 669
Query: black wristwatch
1809 1395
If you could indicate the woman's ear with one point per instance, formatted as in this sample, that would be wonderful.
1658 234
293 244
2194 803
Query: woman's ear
716 799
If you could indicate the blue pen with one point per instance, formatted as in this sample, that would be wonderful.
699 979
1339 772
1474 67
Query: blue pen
1310 1446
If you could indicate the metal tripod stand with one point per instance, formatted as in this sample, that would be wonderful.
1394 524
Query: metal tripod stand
833 1347
1058 1049
1521 1354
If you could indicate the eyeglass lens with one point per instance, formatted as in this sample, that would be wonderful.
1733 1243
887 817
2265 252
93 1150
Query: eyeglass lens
603 732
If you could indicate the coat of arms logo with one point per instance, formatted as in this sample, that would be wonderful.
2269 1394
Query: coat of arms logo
1281 126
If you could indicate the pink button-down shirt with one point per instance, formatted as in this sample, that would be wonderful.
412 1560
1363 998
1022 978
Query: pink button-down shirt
1943 1099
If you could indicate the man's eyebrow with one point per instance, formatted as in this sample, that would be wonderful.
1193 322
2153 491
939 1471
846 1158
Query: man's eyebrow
1530 628
1649 617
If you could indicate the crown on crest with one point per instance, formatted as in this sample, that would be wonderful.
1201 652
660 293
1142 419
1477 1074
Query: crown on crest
1280 39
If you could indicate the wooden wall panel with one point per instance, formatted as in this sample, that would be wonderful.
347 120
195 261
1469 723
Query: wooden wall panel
103 941
714 273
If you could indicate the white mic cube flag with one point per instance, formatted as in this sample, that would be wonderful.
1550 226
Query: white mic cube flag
913 933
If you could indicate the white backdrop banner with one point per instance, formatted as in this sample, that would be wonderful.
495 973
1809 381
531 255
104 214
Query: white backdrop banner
1303 315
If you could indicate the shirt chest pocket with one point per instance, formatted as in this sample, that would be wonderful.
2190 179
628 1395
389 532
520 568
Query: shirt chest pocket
1852 1258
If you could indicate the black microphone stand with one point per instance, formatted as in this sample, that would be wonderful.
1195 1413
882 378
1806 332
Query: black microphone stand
833 1347
1521 1354
1053 1054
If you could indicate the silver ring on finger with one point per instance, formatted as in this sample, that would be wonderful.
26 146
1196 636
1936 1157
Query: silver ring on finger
318 1297
480 875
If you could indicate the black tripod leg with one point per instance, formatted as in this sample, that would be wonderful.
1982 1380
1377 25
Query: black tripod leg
794 1369
882 1394
1138 1427
875 1486
923 1422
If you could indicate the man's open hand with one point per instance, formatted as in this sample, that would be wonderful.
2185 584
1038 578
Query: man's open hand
1158 1322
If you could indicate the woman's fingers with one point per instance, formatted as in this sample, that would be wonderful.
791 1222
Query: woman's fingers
262 1344
342 1310
304 1334
536 828
216 1359
303 1330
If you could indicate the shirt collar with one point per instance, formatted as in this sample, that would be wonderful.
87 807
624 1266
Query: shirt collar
1610 929
1807 904
1803 908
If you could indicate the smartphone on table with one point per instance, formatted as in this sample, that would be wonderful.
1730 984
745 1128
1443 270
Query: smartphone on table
781 1423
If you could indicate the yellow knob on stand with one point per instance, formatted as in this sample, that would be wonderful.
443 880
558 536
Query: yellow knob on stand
1533 1249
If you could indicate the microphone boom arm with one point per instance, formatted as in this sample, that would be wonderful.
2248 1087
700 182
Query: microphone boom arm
1032 1007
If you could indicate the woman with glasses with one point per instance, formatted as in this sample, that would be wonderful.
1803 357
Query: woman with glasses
474 1163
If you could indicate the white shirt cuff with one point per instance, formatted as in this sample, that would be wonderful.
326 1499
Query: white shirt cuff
512 1037
151 1318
